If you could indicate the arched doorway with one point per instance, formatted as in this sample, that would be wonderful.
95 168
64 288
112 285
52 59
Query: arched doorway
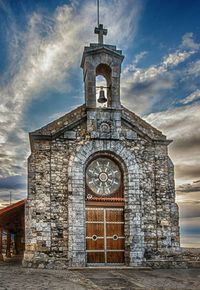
104 208
78 163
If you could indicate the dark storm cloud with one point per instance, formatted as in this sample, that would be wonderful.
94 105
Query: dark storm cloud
187 171
189 209
13 182
7 196
190 187
4 195
182 126
16 167
3 155
168 126
191 142
149 87
14 138
145 92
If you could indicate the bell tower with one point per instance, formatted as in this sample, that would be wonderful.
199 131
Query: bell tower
104 60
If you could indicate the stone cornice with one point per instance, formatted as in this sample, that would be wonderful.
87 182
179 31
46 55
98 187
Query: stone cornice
100 50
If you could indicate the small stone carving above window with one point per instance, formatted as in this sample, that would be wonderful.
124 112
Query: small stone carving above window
105 127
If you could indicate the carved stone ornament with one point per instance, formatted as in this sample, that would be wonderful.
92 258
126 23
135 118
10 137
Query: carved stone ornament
105 127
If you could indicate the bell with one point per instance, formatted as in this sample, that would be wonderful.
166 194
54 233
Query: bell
102 99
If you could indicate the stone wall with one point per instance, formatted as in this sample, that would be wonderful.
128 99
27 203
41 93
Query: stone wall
181 258
55 205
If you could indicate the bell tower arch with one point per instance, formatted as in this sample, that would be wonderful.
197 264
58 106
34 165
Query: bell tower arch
104 71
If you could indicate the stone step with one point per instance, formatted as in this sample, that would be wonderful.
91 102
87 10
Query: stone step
110 268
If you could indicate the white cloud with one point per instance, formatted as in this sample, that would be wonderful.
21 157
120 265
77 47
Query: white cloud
139 56
188 41
140 87
173 59
191 98
194 69
42 58
140 75
122 22
143 87
181 125
190 241
131 67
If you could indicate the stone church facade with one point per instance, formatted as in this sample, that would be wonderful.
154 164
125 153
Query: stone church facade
100 181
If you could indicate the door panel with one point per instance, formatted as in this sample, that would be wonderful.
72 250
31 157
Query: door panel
95 245
94 229
105 235
95 215
114 215
115 244
115 257
95 257
115 229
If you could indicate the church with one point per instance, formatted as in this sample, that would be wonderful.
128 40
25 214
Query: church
100 181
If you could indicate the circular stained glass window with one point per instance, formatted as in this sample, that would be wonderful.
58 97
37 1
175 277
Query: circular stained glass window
103 176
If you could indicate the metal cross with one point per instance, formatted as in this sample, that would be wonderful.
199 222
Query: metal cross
101 32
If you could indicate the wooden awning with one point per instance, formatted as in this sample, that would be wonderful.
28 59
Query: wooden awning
12 216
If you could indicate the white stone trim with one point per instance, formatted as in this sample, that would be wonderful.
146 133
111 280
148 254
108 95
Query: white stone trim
76 213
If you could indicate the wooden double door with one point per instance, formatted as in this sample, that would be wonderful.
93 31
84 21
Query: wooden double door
105 235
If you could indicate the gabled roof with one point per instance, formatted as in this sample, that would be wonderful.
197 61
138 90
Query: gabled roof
141 126
9 214
79 115
66 122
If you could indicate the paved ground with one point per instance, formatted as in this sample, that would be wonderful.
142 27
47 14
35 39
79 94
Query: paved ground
14 277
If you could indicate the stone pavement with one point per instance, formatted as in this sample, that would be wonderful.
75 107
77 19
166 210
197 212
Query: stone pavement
14 277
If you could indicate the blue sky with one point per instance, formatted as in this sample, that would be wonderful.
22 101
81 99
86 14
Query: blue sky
40 79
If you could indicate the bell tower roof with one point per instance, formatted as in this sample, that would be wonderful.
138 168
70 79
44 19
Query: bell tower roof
100 47
95 49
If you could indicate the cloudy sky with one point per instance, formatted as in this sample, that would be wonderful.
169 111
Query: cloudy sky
40 79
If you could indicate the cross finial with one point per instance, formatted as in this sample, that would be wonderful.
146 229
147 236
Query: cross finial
101 32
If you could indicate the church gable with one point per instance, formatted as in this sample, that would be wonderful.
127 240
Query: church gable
138 125
74 125
60 126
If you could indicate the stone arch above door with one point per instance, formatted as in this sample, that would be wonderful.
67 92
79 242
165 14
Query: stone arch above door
133 200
